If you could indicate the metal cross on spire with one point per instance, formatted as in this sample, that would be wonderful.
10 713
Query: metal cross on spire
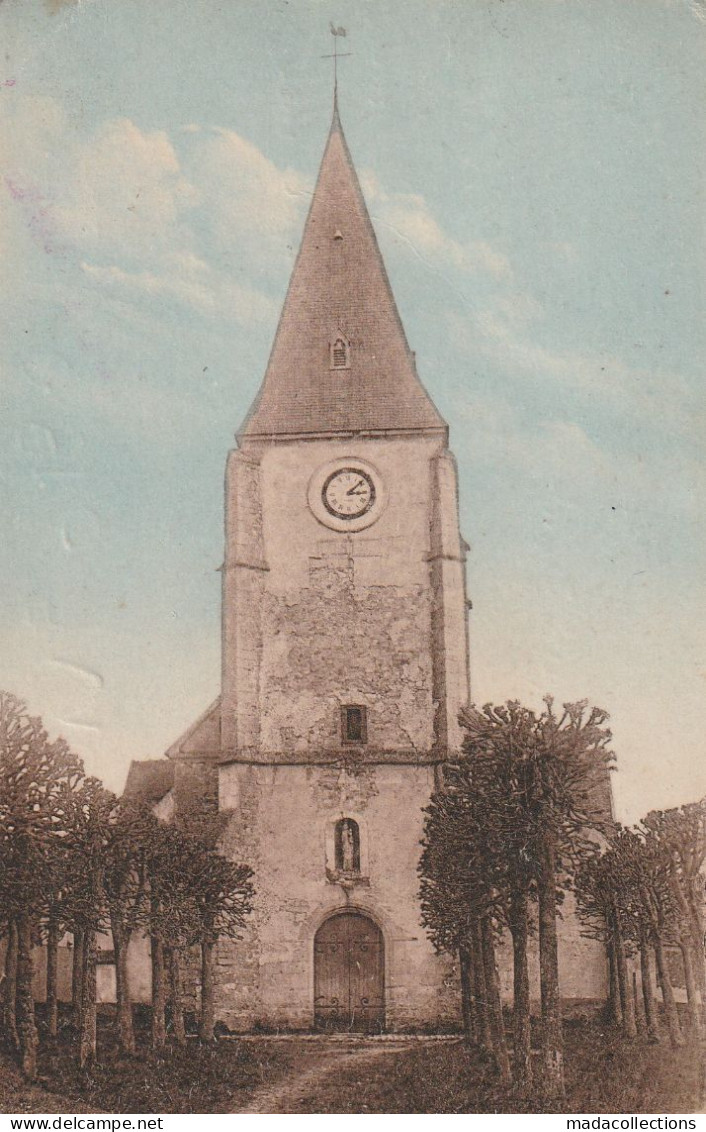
336 32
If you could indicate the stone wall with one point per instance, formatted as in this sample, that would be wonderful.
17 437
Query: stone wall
335 643
281 825
315 618
583 972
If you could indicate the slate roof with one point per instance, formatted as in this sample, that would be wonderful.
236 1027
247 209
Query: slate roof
339 286
149 780
203 738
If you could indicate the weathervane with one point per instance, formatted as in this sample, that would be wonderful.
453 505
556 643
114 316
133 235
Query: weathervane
335 32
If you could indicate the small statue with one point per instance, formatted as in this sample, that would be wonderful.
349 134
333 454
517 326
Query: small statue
347 849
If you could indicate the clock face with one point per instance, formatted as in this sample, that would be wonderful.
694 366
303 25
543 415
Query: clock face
348 493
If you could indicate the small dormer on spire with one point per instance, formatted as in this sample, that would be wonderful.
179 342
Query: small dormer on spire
340 352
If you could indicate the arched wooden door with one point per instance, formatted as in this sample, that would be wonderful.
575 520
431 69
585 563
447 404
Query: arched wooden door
349 974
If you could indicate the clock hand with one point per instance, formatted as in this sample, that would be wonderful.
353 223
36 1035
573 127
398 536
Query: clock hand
355 490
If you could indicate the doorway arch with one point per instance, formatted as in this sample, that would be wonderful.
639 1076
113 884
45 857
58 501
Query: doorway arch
349 974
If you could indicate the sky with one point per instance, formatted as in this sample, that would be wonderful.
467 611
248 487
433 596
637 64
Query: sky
535 174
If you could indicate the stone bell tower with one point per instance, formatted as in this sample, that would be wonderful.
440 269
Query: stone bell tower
345 651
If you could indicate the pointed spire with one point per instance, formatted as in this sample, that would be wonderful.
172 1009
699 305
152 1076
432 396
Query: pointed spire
340 360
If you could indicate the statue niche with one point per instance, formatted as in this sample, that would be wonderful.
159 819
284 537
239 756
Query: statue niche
347 847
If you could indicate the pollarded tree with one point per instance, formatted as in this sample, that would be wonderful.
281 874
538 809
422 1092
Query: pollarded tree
638 870
496 782
223 894
170 909
443 892
88 818
610 909
9 985
202 826
129 831
475 875
196 896
552 795
648 866
459 907
34 776
681 834
637 884
54 918
594 902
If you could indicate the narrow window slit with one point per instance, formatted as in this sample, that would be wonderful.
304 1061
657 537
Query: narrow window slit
354 724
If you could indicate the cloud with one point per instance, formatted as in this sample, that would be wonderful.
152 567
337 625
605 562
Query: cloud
250 198
505 331
409 216
663 399
192 284
202 218
563 250
510 312
549 454
546 449
125 192
121 188
698 8
120 191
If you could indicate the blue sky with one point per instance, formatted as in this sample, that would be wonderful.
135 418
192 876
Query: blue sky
535 173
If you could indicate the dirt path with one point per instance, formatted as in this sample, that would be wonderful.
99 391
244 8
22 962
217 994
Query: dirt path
311 1065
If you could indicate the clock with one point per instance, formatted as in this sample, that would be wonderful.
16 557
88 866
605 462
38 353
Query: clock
347 494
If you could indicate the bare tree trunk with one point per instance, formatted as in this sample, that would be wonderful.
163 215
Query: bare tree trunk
639 1020
692 916
123 1002
159 993
208 1010
696 922
627 1001
691 992
26 1026
552 1034
522 1043
87 1035
648 992
175 996
475 986
700 972
495 1008
52 977
77 977
670 1006
10 988
485 1031
616 1010
467 1013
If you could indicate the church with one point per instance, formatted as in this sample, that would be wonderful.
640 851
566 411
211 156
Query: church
345 656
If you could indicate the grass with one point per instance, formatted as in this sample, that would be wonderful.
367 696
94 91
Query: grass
190 1079
17 1096
604 1073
